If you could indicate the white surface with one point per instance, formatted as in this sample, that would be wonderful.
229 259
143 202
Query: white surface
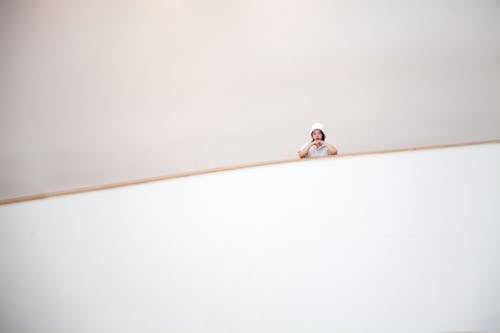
384 243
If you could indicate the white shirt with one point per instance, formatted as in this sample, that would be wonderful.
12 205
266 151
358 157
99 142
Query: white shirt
316 151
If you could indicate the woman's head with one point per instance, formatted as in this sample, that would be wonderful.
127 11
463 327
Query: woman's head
317 132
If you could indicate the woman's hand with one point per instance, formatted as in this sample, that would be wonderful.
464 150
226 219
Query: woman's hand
319 142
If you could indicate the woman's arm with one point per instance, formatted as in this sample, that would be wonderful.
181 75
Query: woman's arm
331 149
303 151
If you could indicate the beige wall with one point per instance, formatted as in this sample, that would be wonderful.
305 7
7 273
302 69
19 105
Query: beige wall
95 92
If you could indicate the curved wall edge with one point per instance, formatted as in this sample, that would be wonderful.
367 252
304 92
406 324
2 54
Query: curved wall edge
220 169
390 242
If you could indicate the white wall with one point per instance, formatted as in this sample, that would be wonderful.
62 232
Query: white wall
94 92
386 243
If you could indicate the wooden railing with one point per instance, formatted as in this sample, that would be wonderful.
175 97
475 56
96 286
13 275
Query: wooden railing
226 168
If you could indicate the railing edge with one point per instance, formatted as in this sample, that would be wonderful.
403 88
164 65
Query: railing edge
225 168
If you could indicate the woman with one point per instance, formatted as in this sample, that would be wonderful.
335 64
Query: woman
317 147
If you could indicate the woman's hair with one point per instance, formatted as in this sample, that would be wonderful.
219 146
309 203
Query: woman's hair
323 136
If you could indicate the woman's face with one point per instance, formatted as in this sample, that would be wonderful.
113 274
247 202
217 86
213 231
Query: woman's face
317 134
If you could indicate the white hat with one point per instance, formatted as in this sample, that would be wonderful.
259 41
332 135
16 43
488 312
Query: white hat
316 126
